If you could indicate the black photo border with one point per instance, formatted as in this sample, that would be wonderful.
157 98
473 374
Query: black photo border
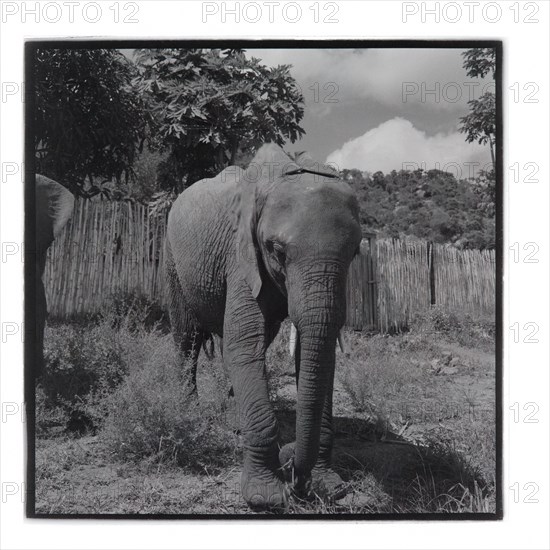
31 47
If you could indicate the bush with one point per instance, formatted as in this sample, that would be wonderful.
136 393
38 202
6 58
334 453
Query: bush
150 416
79 360
135 311
456 326
84 363
444 321
50 419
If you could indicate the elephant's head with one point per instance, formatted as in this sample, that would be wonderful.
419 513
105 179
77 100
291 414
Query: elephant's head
299 227
54 206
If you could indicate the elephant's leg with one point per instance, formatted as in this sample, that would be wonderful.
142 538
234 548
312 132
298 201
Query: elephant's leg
188 337
244 354
230 392
41 315
189 340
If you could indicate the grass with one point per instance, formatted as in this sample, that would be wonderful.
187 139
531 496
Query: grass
87 359
414 421
150 416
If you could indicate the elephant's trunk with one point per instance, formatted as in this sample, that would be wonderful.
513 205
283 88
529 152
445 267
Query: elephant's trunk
316 370
318 318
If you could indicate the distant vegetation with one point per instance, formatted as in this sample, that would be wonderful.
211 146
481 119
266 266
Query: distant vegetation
431 205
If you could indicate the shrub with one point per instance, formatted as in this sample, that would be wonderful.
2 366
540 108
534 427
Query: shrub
50 419
444 321
150 416
86 362
135 311
82 364
456 326
80 359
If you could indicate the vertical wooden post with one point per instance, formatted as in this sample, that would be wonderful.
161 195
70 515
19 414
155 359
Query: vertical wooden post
375 279
431 268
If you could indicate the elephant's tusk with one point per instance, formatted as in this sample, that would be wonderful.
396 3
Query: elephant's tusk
292 343
341 341
292 340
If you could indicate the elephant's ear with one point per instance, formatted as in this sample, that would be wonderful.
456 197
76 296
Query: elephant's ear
262 174
54 207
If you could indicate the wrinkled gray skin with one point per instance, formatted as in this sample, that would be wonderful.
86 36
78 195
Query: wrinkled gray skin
244 250
54 206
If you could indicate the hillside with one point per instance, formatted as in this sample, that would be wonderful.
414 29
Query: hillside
431 205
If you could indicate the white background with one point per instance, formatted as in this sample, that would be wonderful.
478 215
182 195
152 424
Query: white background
526 366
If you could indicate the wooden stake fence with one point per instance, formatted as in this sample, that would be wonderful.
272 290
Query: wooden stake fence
362 287
106 248
117 247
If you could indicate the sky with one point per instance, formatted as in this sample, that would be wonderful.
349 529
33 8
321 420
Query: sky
372 109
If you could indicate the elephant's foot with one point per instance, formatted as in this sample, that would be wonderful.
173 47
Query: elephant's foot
327 484
324 482
263 491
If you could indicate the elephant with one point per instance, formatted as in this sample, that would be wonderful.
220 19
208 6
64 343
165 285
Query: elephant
244 250
54 207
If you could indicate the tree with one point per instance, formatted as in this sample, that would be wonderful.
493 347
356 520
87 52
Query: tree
213 108
89 122
479 62
480 124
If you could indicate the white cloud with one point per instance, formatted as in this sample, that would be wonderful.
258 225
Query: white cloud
397 142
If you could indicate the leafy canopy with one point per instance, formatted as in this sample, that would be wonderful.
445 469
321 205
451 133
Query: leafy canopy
89 122
213 108
480 124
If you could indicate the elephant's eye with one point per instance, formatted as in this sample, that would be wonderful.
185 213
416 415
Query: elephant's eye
277 249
